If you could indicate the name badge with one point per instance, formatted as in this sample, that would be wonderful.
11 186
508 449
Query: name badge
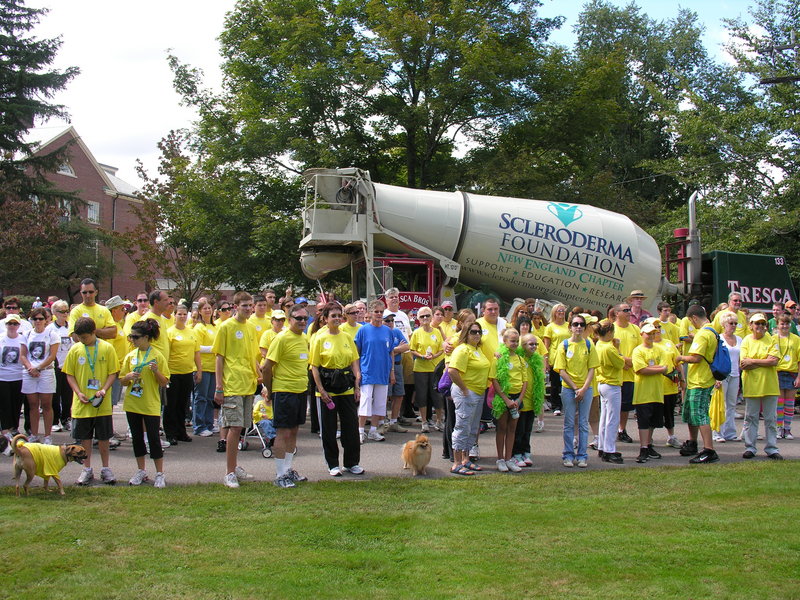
136 390
326 345
93 384
179 337
304 356
239 335
570 353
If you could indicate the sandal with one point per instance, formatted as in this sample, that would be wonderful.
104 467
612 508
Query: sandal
461 470
472 466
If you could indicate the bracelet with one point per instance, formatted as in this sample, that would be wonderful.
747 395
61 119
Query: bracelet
219 391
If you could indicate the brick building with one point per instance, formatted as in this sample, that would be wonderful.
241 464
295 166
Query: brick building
107 202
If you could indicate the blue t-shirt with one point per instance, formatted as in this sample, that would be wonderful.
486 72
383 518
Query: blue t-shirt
375 345
399 338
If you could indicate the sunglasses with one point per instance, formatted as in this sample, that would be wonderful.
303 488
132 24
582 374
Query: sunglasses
141 299
37 318
475 332
62 312
625 310
578 324
14 323
88 292
388 320
134 337
12 307
424 316
300 318
450 308
224 308
352 312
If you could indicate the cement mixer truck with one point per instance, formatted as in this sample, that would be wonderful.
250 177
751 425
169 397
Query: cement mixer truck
424 242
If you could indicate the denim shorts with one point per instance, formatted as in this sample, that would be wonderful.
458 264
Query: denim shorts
399 388
785 380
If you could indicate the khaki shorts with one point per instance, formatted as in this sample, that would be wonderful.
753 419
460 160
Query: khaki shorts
236 411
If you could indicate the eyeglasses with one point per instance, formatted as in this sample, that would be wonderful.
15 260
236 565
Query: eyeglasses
578 324
424 316
88 292
224 308
450 308
37 318
335 316
300 318
14 323
624 310
62 312
352 312
141 299
532 345
475 332
134 336
12 307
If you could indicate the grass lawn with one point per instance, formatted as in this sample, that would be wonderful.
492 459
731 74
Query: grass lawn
724 531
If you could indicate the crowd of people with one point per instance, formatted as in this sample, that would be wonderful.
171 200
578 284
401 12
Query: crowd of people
360 372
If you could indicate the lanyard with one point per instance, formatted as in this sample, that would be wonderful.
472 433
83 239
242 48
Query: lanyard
92 361
138 368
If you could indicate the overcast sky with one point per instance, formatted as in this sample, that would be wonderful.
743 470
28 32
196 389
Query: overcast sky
123 103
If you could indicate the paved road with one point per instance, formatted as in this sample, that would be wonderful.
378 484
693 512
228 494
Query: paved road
198 461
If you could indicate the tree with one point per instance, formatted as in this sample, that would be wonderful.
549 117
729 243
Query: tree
29 203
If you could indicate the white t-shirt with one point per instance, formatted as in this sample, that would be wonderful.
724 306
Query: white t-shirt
734 351
24 327
10 365
38 345
65 341
401 322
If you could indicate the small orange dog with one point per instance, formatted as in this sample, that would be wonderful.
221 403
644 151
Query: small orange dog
417 454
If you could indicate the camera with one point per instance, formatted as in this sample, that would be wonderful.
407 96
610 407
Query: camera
97 401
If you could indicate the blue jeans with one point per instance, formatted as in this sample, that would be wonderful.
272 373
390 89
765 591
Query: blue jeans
203 403
570 408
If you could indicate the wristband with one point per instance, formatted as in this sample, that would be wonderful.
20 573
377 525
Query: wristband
219 391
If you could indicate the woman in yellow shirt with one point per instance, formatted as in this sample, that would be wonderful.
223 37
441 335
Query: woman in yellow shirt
788 375
186 370
609 379
143 372
203 407
426 348
555 333
464 318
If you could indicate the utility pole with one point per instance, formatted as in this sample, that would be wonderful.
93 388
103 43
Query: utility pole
779 49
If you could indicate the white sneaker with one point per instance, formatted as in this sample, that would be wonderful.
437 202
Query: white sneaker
34 439
231 481
426 428
336 472
241 474
474 452
512 466
556 413
375 436
139 478
56 427
718 439
215 429
787 435
107 476
539 427
48 440
165 444
362 437
568 463
502 466
673 442
206 433
85 477
160 482
355 470
113 443
528 460
582 463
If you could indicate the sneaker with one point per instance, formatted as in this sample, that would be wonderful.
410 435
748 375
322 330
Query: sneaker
539 427
139 478
673 442
568 463
355 470
107 476
67 425
56 427
295 476
582 464
241 474
513 466
718 439
405 422
438 426
651 452
231 481
113 443
362 437
594 443
166 444
748 454
706 456
396 428
284 482
787 435
779 435
474 452
375 436
502 466
688 448
215 428
160 482
222 446
527 459
86 476
556 413
206 433
643 455
336 472
47 440
622 436
34 439
775 456
614 457
426 428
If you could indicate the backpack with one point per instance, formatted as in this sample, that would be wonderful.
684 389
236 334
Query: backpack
588 345
721 365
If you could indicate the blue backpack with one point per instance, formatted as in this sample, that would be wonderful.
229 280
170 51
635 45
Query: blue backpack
588 345
721 365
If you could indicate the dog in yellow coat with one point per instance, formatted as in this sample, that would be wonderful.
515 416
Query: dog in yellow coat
43 460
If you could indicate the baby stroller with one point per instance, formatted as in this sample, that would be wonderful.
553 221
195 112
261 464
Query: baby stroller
262 428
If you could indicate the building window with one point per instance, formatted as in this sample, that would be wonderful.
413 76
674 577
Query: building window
66 169
94 250
93 212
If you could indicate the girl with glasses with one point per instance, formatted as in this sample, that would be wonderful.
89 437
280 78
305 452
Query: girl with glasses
62 402
533 352
509 379
426 348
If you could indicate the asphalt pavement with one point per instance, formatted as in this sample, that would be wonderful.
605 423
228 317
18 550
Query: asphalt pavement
199 462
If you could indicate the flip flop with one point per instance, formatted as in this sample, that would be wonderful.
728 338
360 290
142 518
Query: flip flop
461 470
472 466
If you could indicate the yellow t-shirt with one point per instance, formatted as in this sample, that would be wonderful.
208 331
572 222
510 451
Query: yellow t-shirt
557 334
517 373
267 337
699 373
669 354
473 366
671 332
648 388
789 351
490 340
205 336
77 364
183 343
97 312
447 329
350 330
234 341
289 351
422 341
742 329
761 381
333 352
130 319
576 360
144 399
685 329
262 410
629 337
120 342
609 369
262 325
47 458
162 343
